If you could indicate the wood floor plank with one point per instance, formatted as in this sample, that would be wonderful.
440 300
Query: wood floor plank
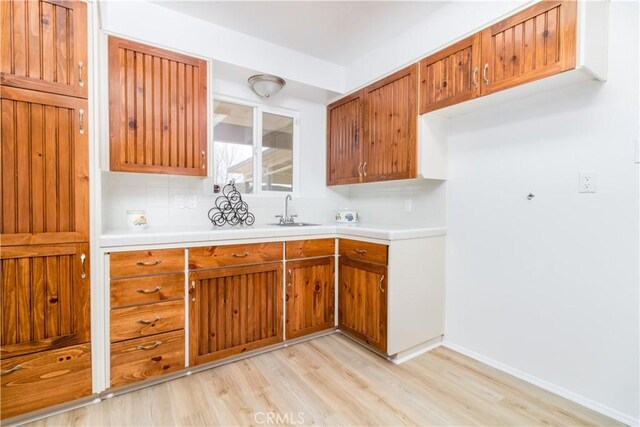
333 381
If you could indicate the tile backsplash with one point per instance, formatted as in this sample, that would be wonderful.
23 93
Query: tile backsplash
181 201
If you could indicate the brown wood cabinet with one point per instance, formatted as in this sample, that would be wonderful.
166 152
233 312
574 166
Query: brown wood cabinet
144 358
45 297
45 168
451 75
310 296
147 316
44 204
538 42
371 134
234 310
362 301
42 379
44 46
157 110
390 127
344 133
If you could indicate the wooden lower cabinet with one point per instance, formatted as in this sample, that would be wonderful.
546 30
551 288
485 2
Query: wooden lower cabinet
310 296
234 310
43 379
362 301
143 358
44 291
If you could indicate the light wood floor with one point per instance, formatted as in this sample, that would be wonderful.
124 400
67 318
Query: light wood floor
333 381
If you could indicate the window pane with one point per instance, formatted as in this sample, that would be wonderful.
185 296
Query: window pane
277 152
233 145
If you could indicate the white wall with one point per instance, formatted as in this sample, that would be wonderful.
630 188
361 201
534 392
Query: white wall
550 286
145 21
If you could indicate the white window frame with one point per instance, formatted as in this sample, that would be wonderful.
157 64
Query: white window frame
258 109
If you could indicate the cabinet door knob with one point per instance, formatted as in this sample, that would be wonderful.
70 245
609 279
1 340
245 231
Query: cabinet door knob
83 272
475 77
80 80
484 73
81 121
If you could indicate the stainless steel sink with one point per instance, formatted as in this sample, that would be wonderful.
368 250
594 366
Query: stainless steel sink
294 224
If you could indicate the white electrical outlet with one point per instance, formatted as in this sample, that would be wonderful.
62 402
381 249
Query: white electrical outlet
192 201
587 182
178 201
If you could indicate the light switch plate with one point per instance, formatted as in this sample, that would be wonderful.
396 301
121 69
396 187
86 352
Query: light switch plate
587 182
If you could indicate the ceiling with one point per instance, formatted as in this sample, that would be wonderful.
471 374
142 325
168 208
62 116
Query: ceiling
336 31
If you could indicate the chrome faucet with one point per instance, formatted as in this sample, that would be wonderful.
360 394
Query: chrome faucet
286 219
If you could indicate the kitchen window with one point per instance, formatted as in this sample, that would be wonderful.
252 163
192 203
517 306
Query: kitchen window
256 145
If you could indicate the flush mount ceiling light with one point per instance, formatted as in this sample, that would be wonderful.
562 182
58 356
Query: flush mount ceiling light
266 85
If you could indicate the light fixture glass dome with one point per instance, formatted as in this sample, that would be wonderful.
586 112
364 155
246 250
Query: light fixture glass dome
266 85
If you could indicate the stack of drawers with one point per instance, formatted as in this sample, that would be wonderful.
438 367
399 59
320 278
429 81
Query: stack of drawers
147 314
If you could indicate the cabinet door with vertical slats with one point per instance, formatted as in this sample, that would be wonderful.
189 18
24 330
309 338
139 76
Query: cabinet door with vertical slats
43 46
45 168
44 297
344 130
538 42
310 296
451 75
362 301
234 310
390 127
157 109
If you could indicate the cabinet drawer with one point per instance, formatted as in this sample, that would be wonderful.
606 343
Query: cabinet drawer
220 256
310 248
146 289
144 320
141 263
144 358
44 379
365 251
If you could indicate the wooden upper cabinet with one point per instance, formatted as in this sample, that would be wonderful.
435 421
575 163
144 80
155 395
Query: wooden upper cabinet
451 75
44 46
45 168
390 127
538 42
157 110
344 130
45 297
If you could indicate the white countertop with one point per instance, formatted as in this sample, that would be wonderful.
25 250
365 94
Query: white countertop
176 235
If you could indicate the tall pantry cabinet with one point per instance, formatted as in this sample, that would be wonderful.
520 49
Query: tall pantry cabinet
44 205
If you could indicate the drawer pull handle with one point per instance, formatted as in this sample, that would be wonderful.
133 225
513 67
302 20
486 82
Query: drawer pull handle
149 291
204 160
81 117
83 272
11 370
360 251
244 255
150 347
380 284
148 322
192 291
290 277
149 264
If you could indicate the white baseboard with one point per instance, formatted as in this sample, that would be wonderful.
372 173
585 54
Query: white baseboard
416 351
581 400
